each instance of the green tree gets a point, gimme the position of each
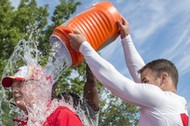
(115, 112)
(13, 25)
(8, 33)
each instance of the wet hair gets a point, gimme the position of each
(68, 95)
(162, 65)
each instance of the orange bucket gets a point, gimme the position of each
(97, 23)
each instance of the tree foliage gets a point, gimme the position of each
(13, 25)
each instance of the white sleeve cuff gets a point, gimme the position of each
(127, 39)
(85, 43)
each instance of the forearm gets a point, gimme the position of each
(133, 59)
(91, 96)
(105, 72)
(91, 91)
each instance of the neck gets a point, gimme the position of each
(174, 91)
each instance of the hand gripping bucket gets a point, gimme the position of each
(97, 23)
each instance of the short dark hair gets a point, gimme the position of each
(163, 65)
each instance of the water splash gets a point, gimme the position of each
(26, 53)
(59, 57)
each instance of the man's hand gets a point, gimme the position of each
(124, 28)
(76, 39)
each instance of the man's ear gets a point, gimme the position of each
(164, 78)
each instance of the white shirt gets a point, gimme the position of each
(158, 108)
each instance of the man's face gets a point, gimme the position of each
(148, 76)
(16, 88)
(22, 93)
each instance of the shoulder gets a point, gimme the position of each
(63, 115)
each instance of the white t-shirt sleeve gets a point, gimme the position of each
(132, 58)
(126, 89)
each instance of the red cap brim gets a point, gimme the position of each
(8, 81)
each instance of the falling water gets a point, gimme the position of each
(59, 58)
(26, 53)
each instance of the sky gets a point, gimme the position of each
(159, 29)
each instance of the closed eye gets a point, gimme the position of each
(144, 80)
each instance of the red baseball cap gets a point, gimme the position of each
(23, 73)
